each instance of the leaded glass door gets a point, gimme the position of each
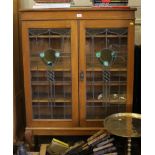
(50, 73)
(105, 57)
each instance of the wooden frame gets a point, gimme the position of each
(27, 81)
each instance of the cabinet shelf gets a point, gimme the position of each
(45, 83)
(100, 83)
(57, 100)
(55, 68)
(107, 36)
(68, 83)
(89, 69)
(37, 64)
(49, 36)
(107, 101)
(67, 36)
(99, 69)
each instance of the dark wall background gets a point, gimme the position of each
(137, 81)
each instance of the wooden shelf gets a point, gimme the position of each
(107, 101)
(49, 36)
(64, 130)
(37, 64)
(107, 36)
(67, 36)
(68, 83)
(99, 68)
(45, 83)
(100, 83)
(89, 69)
(55, 68)
(66, 68)
(57, 100)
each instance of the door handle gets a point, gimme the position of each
(81, 75)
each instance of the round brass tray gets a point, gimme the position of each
(124, 124)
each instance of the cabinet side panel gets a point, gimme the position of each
(26, 66)
(131, 30)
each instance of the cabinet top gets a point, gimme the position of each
(77, 13)
(81, 9)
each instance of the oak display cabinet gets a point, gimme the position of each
(90, 78)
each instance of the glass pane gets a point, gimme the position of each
(51, 111)
(50, 60)
(106, 67)
(101, 110)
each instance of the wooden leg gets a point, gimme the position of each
(29, 138)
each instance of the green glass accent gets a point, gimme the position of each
(106, 63)
(57, 54)
(42, 55)
(106, 57)
(98, 54)
(49, 63)
(113, 54)
(48, 57)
